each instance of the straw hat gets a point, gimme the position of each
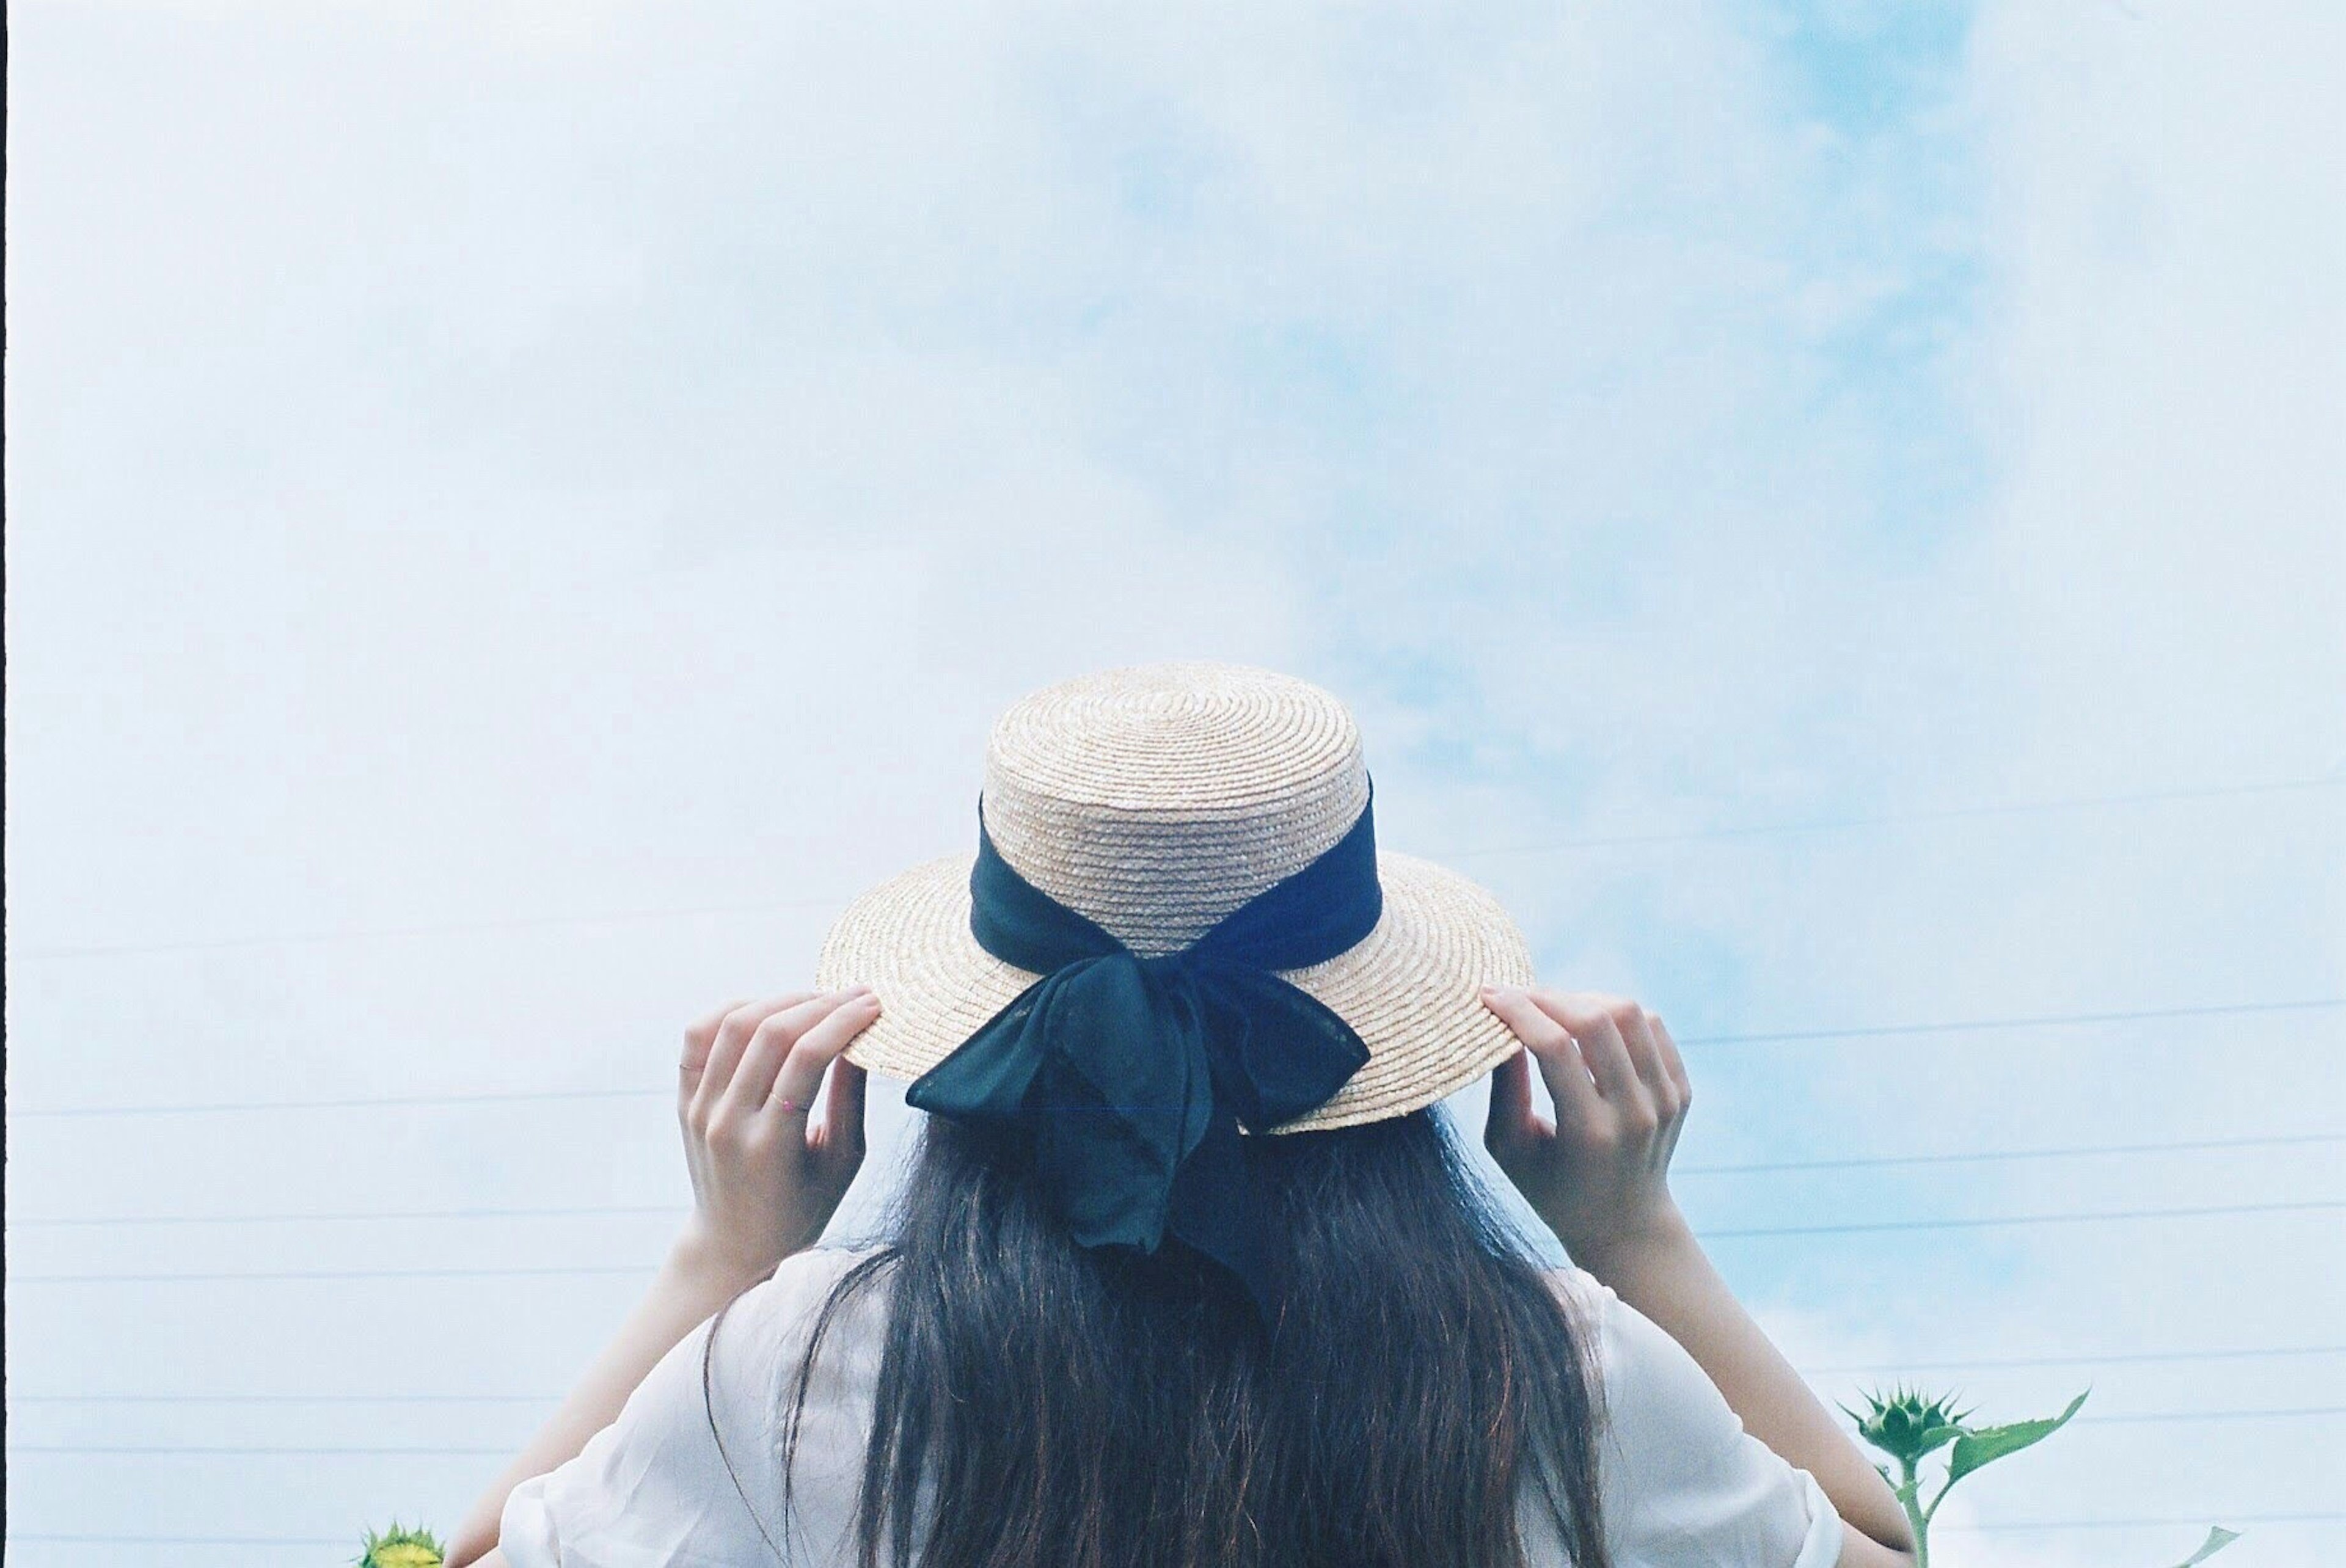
(1156, 800)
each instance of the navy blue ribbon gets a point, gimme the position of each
(1134, 1075)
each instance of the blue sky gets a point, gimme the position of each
(519, 511)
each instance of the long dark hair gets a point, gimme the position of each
(1041, 1403)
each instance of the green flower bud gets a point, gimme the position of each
(398, 1548)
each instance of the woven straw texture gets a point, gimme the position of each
(1155, 801)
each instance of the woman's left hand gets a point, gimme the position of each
(765, 1181)
(766, 1177)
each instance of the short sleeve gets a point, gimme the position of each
(653, 1490)
(1683, 1484)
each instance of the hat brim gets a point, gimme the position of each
(1410, 988)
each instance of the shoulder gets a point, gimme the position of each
(690, 1471)
(790, 1298)
(1680, 1474)
(1661, 1408)
(758, 1343)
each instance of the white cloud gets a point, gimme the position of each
(464, 473)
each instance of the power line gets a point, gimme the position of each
(623, 1210)
(403, 1398)
(564, 1271)
(348, 1102)
(2122, 1418)
(205, 1450)
(2227, 1520)
(2119, 1358)
(2297, 1412)
(430, 1448)
(349, 1216)
(2036, 1020)
(483, 1097)
(395, 1450)
(508, 1096)
(2072, 1151)
(1982, 1221)
(435, 928)
(410, 1398)
(1699, 835)
(1896, 818)
(50, 1538)
(1968, 1222)
(54, 1538)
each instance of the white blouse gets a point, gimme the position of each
(1683, 1484)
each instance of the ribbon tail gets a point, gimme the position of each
(1134, 1096)
(1216, 1209)
(1105, 1069)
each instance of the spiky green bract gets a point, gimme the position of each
(1905, 1424)
(401, 1548)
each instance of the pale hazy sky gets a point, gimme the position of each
(519, 510)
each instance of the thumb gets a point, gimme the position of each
(842, 1112)
(1512, 1119)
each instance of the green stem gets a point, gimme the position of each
(1909, 1498)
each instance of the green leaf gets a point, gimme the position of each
(2218, 1539)
(1936, 1439)
(1985, 1445)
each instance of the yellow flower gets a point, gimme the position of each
(397, 1548)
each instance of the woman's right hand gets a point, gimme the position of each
(766, 1175)
(1599, 1175)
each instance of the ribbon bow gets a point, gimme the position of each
(1133, 1074)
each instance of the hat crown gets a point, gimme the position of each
(1155, 799)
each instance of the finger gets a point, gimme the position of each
(1584, 1015)
(733, 1036)
(842, 1112)
(1673, 1064)
(1560, 1061)
(1510, 1119)
(699, 1036)
(770, 1047)
(1637, 1027)
(816, 1049)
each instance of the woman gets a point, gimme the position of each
(1187, 1271)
